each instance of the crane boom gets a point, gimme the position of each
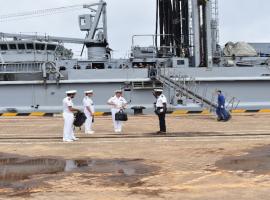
(45, 38)
(39, 13)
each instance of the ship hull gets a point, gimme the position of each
(243, 92)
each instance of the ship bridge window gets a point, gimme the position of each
(98, 66)
(40, 46)
(21, 46)
(180, 62)
(30, 46)
(51, 47)
(12, 46)
(4, 47)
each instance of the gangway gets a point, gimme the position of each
(189, 87)
(184, 89)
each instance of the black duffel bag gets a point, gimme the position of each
(79, 120)
(121, 116)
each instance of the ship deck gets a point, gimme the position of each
(199, 159)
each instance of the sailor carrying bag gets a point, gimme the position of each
(121, 116)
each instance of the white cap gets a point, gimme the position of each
(88, 92)
(158, 90)
(71, 92)
(118, 91)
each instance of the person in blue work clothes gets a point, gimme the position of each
(221, 111)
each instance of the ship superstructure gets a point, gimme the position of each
(185, 59)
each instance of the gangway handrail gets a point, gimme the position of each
(185, 90)
(199, 97)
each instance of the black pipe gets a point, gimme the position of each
(161, 21)
(172, 17)
(185, 31)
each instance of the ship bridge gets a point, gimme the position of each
(26, 51)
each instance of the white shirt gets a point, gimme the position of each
(160, 101)
(67, 102)
(88, 102)
(119, 102)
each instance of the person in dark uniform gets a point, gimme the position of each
(161, 109)
(222, 114)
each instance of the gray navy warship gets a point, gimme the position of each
(185, 59)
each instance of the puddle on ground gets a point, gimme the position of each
(23, 174)
(256, 160)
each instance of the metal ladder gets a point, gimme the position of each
(190, 91)
(189, 87)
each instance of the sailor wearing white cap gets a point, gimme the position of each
(117, 103)
(89, 111)
(68, 135)
(161, 109)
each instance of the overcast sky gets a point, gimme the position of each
(240, 20)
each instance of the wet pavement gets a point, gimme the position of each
(199, 159)
(18, 172)
(256, 160)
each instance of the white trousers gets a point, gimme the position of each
(68, 126)
(88, 123)
(117, 124)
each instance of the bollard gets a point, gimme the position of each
(138, 110)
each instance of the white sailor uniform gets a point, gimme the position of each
(160, 101)
(68, 134)
(161, 112)
(88, 102)
(119, 103)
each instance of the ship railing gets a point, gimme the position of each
(185, 87)
(192, 89)
(157, 49)
(24, 67)
(232, 103)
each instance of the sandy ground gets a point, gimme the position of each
(199, 159)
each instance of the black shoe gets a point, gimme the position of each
(228, 119)
(161, 133)
(220, 119)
